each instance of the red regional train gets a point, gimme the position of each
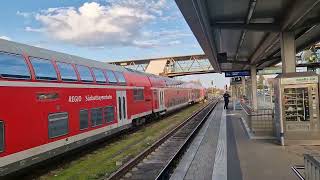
(53, 102)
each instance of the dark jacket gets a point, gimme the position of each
(226, 97)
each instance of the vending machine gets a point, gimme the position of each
(297, 108)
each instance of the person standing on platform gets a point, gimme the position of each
(226, 97)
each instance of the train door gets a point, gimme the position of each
(155, 97)
(122, 108)
(161, 99)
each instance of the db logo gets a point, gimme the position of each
(73, 99)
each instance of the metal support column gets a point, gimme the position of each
(288, 52)
(253, 69)
(243, 86)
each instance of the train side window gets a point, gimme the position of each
(1, 136)
(84, 119)
(44, 69)
(85, 74)
(13, 66)
(58, 124)
(120, 77)
(100, 78)
(138, 94)
(111, 77)
(96, 117)
(67, 72)
(108, 114)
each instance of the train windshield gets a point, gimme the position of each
(67, 72)
(100, 78)
(111, 77)
(43, 69)
(85, 74)
(13, 66)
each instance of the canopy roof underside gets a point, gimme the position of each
(248, 31)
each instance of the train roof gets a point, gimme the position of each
(18, 48)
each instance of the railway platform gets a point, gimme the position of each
(223, 150)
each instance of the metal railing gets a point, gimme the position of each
(296, 171)
(260, 122)
(311, 168)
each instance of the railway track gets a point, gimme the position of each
(48, 166)
(157, 161)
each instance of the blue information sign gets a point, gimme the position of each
(236, 73)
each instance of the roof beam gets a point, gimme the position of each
(299, 10)
(263, 46)
(268, 60)
(265, 27)
(195, 13)
(309, 23)
(236, 62)
(251, 9)
(310, 38)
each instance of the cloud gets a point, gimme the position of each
(30, 29)
(24, 14)
(117, 23)
(147, 43)
(174, 42)
(5, 38)
(162, 38)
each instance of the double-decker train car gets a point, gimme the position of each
(53, 102)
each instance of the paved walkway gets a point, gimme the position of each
(198, 160)
(222, 150)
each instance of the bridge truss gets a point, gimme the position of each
(171, 66)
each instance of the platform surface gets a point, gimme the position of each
(222, 150)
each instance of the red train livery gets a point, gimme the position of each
(53, 102)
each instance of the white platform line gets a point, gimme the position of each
(220, 163)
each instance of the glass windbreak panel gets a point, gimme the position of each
(111, 77)
(120, 77)
(100, 78)
(85, 74)
(96, 117)
(296, 104)
(43, 69)
(67, 72)
(1, 136)
(58, 124)
(13, 66)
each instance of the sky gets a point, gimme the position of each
(103, 30)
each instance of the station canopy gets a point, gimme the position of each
(237, 33)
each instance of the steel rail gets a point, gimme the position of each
(164, 174)
(132, 163)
